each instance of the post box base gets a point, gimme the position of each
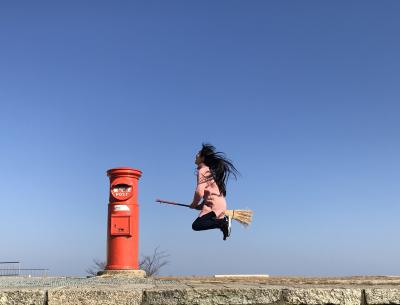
(126, 273)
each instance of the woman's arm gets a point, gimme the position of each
(202, 179)
(200, 206)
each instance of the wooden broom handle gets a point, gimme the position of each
(173, 203)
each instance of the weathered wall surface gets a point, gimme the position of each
(201, 291)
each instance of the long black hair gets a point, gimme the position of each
(221, 167)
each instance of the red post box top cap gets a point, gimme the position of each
(124, 171)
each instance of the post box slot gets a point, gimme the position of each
(120, 225)
(121, 191)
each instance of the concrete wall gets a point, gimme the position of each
(205, 293)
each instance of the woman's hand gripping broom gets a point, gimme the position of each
(244, 217)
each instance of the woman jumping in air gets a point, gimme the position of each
(213, 171)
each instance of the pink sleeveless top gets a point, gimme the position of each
(209, 191)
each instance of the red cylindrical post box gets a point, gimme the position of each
(123, 219)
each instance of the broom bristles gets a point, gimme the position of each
(244, 217)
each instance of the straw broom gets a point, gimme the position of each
(244, 217)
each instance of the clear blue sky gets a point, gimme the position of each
(303, 96)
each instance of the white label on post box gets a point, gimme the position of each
(121, 207)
